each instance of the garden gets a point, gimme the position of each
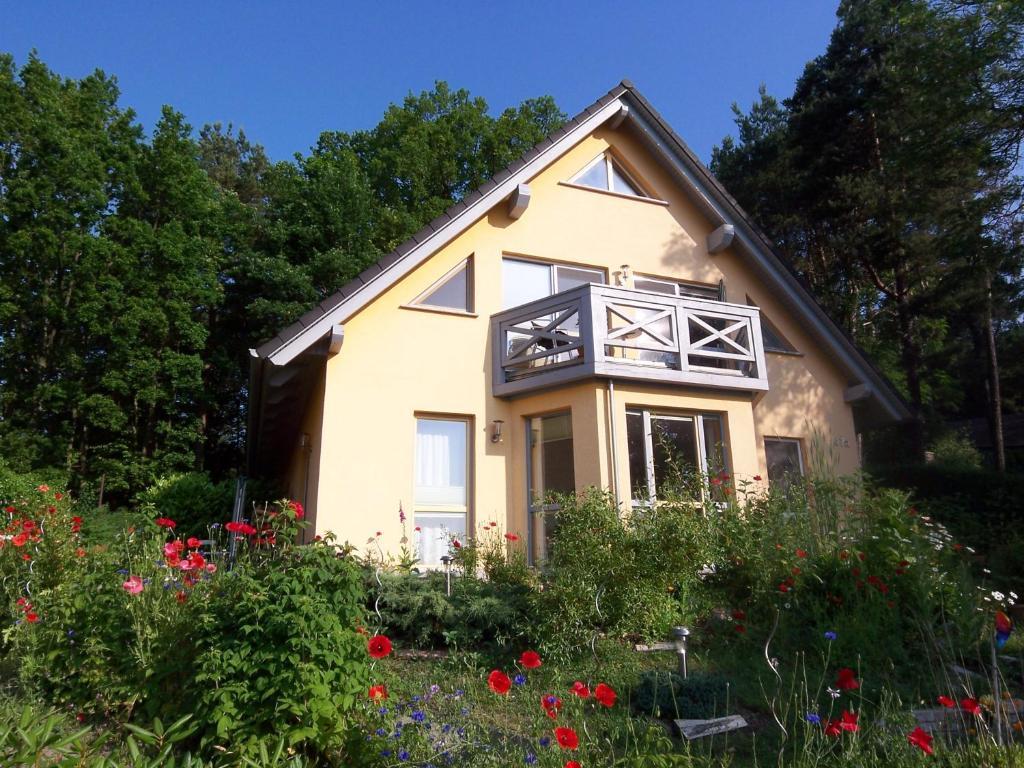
(842, 623)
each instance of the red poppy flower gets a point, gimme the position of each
(832, 728)
(796, 571)
(848, 722)
(19, 540)
(31, 617)
(581, 690)
(297, 509)
(740, 629)
(58, 495)
(971, 706)
(377, 693)
(947, 702)
(172, 548)
(456, 543)
(417, 528)
(378, 646)
(843, 554)
(739, 615)
(783, 587)
(243, 528)
(530, 659)
(572, 764)
(499, 682)
(801, 553)
(921, 739)
(181, 596)
(511, 537)
(79, 552)
(567, 738)
(862, 556)
(846, 680)
(166, 522)
(757, 478)
(551, 704)
(605, 695)
(194, 543)
(43, 488)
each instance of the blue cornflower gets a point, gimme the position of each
(813, 718)
(382, 711)
(122, 570)
(419, 716)
(415, 698)
(446, 727)
(403, 755)
(830, 635)
(519, 679)
(459, 693)
(464, 711)
(545, 741)
(71, 633)
(385, 753)
(435, 689)
(530, 758)
(381, 732)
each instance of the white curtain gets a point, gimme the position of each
(441, 462)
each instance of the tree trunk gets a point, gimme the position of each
(995, 406)
(910, 359)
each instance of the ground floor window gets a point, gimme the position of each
(551, 471)
(672, 453)
(785, 460)
(441, 494)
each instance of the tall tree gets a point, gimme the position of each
(892, 163)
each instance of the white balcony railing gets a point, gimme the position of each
(601, 330)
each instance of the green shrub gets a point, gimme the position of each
(668, 694)
(956, 450)
(278, 653)
(195, 502)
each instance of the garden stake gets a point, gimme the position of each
(996, 701)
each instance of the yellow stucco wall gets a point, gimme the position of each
(398, 362)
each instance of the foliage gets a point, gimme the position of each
(890, 180)
(156, 624)
(136, 273)
(278, 653)
(668, 694)
(955, 449)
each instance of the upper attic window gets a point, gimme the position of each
(453, 292)
(606, 173)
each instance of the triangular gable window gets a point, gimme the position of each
(606, 173)
(772, 337)
(454, 291)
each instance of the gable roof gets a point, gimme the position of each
(631, 110)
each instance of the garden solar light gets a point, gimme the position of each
(681, 634)
(447, 561)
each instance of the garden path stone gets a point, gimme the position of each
(696, 729)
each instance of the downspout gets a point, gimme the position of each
(614, 440)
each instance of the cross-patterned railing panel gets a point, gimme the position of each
(600, 330)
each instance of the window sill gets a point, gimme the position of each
(610, 193)
(438, 310)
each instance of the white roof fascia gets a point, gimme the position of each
(440, 238)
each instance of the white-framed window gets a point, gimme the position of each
(785, 460)
(524, 281)
(604, 172)
(441, 484)
(550, 469)
(676, 288)
(671, 453)
(453, 292)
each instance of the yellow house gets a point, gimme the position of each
(597, 311)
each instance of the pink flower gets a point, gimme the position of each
(133, 585)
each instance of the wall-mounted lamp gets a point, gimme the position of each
(497, 427)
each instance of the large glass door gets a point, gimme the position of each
(551, 470)
(671, 454)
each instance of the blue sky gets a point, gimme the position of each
(287, 71)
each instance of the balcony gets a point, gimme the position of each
(621, 333)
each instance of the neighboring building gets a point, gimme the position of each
(597, 306)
